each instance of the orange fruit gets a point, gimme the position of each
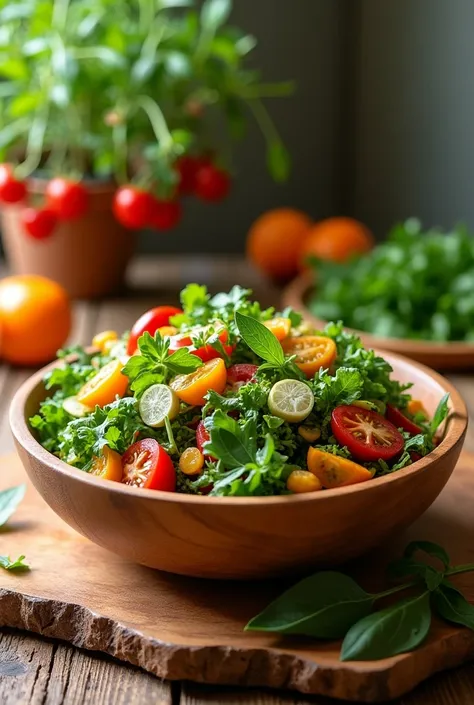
(336, 239)
(274, 241)
(35, 319)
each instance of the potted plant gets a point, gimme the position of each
(110, 112)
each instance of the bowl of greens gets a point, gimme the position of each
(412, 294)
(225, 440)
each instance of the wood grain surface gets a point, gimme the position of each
(39, 671)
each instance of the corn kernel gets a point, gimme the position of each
(102, 340)
(167, 330)
(302, 481)
(309, 433)
(191, 461)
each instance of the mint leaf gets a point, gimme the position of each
(259, 339)
(7, 563)
(182, 362)
(440, 414)
(9, 501)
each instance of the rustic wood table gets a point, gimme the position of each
(37, 671)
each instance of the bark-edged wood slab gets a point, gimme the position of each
(188, 629)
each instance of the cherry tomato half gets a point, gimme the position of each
(105, 386)
(187, 168)
(241, 373)
(211, 184)
(39, 223)
(146, 464)
(165, 214)
(68, 199)
(399, 420)
(133, 207)
(312, 352)
(108, 465)
(367, 435)
(11, 190)
(150, 321)
(192, 388)
(205, 352)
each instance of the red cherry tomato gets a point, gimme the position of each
(241, 373)
(165, 214)
(146, 464)
(415, 456)
(11, 190)
(399, 420)
(212, 184)
(367, 435)
(187, 167)
(68, 199)
(133, 207)
(202, 436)
(39, 223)
(204, 352)
(150, 321)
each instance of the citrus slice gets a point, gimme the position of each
(157, 403)
(76, 408)
(291, 400)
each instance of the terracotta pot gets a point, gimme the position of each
(88, 256)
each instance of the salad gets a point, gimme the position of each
(416, 285)
(222, 397)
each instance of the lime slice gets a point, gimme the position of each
(76, 408)
(158, 402)
(291, 400)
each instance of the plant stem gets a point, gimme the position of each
(392, 591)
(119, 136)
(34, 147)
(172, 447)
(457, 570)
(157, 120)
(264, 121)
(59, 19)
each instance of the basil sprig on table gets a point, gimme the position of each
(9, 501)
(331, 605)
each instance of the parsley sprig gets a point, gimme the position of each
(155, 365)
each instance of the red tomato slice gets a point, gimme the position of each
(205, 352)
(401, 421)
(146, 464)
(150, 321)
(241, 373)
(367, 435)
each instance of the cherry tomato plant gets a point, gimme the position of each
(128, 91)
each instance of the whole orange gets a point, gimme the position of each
(275, 239)
(336, 239)
(35, 319)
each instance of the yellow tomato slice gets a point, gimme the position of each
(104, 386)
(415, 406)
(279, 326)
(103, 340)
(312, 352)
(108, 466)
(192, 388)
(334, 471)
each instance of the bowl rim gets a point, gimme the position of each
(456, 427)
(300, 287)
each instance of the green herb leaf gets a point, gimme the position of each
(9, 501)
(406, 567)
(230, 442)
(440, 414)
(394, 630)
(183, 362)
(214, 13)
(7, 563)
(324, 606)
(278, 161)
(451, 605)
(259, 339)
(432, 549)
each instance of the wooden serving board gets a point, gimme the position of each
(188, 629)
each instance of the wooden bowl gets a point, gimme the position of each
(243, 538)
(440, 356)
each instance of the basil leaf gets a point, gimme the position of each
(182, 362)
(432, 549)
(440, 414)
(451, 605)
(9, 501)
(259, 339)
(404, 567)
(7, 563)
(391, 631)
(324, 606)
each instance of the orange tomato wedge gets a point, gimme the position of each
(415, 406)
(312, 352)
(334, 471)
(192, 388)
(102, 389)
(279, 326)
(108, 466)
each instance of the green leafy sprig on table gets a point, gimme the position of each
(155, 365)
(9, 501)
(417, 284)
(331, 605)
